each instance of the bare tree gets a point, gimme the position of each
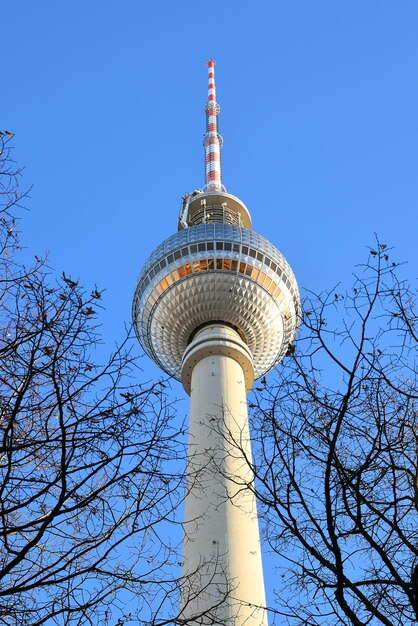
(336, 442)
(88, 456)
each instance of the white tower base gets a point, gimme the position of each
(223, 577)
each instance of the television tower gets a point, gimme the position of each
(216, 306)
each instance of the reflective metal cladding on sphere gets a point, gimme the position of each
(216, 272)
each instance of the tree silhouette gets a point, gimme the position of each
(336, 443)
(88, 456)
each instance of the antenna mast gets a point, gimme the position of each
(212, 141)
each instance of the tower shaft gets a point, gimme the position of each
(222, 569)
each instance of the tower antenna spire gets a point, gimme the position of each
(213, 140)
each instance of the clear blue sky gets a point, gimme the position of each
(319, 114)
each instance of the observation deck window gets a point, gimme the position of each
(272, 287)
(249, 261)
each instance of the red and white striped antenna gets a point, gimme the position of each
(213, 140)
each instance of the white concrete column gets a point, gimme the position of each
(223, 577)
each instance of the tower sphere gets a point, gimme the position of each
(216, 272)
